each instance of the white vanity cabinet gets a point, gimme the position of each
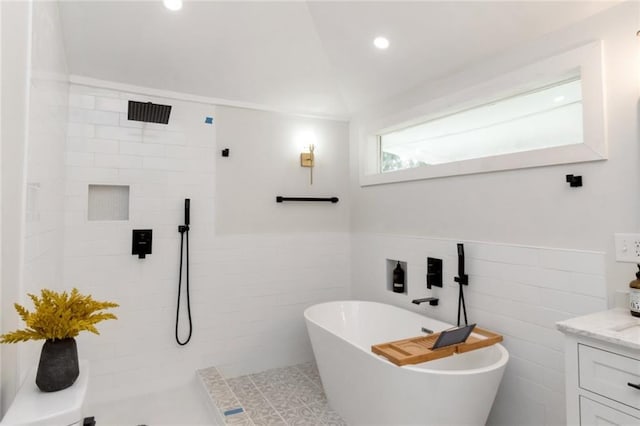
(602, 361)
(594, 413)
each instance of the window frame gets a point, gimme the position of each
(584, 62)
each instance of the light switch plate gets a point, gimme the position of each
(627, 247)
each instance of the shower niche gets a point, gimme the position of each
(108, 202)
(396, 276)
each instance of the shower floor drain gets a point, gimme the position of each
(282, 396)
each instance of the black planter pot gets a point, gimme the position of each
(58, 368)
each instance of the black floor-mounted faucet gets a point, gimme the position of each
(433, 301)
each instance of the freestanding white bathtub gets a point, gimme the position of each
(366, 389)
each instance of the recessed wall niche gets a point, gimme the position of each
(391, 265)
(108, 202)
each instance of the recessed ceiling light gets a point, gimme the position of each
(172, 4)
(381, 42)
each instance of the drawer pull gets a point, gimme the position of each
(634, 385)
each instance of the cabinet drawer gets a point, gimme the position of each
(609, 375)
(594, 413)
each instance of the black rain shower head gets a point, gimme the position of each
(149, 112)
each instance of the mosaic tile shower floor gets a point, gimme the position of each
(290, 396)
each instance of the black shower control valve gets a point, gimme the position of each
(225, 152)
(141, 242)
(574, 181)
(434, 272)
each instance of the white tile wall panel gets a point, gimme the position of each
(161, 136)
(81, 130)
(80, 159)
(73, 217)
(104, 146)
(173, 151)
(125, 122)
(91, 174)
(110, 104)
(78, 143)
(77, 100)
(156, 163)
(575, 304)
(77, 115)
(504, 254)
(587, 284)
(145, 149)
(118, 161)
(103, 117)
(90, 116)
(574, 261)
(118, 133)
(76, 89)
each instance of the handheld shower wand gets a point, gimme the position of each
(461, 279)
(187, 208)
(184, 235)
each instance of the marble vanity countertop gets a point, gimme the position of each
(613, 326)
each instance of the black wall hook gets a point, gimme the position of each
(574, 181)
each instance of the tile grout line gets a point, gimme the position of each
(239, 404)
(230, 391)
(267, 399)
(310, 380)
(298, 383)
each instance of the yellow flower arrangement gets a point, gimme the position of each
(59, 316)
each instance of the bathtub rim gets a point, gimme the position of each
(419, 368)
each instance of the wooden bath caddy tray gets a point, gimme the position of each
(420, 349)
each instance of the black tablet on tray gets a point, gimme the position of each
(453, 336)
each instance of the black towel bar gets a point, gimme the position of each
(280, 199)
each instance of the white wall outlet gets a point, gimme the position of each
(627, 247)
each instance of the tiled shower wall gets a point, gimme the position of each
(44, 192)
(520, 292)
(248, 292)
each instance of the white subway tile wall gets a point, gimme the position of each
(248, 292)
(47, 121)
(517, 291)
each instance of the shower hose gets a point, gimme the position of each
(184, 235)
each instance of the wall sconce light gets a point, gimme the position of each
(307, 160)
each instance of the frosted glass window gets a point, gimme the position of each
(108, 202)
(550, 116)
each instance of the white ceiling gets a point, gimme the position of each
(306, 57)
